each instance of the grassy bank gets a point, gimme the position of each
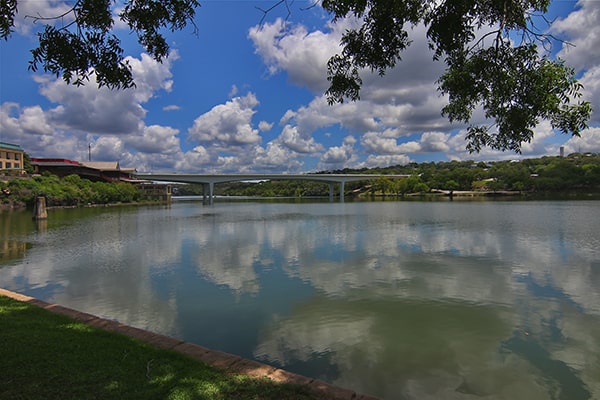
(48, 356)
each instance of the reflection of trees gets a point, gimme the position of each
(97, 265)
(11, 250)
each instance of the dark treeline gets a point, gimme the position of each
(574, 173)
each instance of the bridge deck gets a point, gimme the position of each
(208, 180)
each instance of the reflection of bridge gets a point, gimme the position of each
(208, 180)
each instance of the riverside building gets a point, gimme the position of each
(11, 158)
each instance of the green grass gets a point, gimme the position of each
(49, 356)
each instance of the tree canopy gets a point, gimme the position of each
(491, 49)
(496, 58)
(84, 44)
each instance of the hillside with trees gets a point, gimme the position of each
(577, 173)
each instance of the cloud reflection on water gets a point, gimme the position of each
(411, 300)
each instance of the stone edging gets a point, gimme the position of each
(218, 359)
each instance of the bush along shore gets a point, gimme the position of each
(70, 191)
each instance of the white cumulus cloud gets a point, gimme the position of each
(228, 124)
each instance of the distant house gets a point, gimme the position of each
(11, 158)
(95, 171)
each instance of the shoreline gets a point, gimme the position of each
(218, 359)
(4, 206)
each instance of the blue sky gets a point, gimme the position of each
(241, 97)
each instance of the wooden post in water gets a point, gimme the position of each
(39, 208)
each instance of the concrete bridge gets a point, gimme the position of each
(208, 180)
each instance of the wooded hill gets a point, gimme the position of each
(575, 173)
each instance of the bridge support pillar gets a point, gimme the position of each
(39, 208)
(331, 191)
(208, 187)
(342, 184)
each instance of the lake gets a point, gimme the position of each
(397, 299)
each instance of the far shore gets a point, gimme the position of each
(431, 194)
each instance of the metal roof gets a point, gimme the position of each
(10, 146)
(102, 165)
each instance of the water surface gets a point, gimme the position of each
(403, 300)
